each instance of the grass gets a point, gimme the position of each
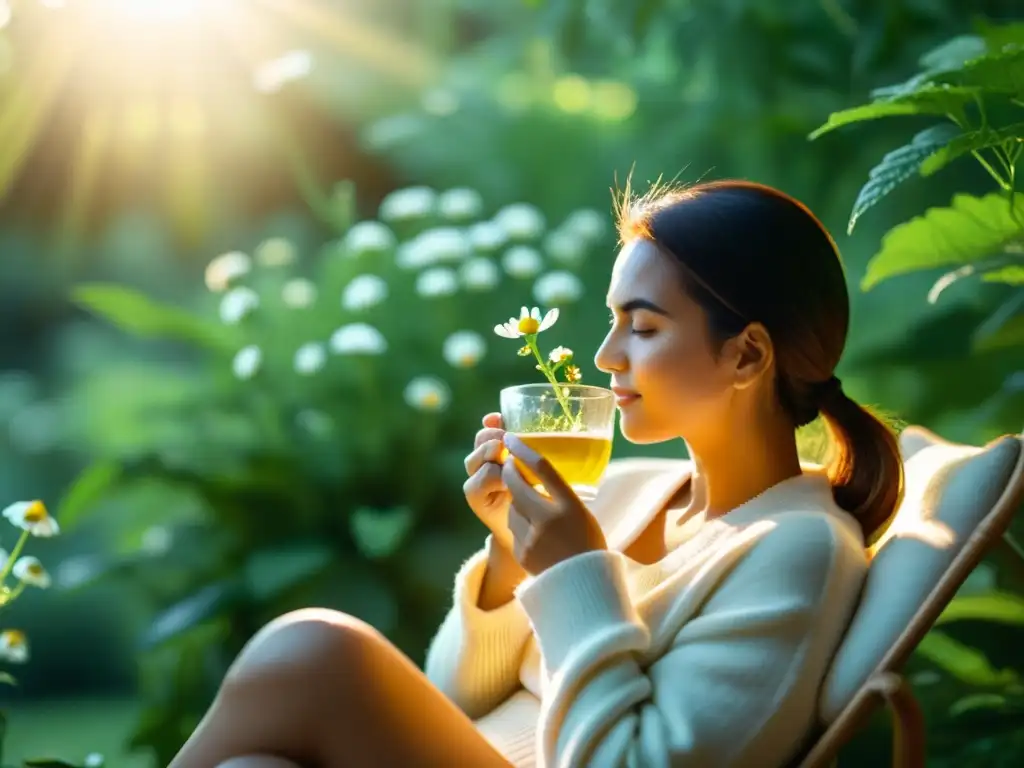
(70, 730)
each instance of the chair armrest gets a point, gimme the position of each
(882, 688)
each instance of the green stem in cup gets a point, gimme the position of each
(531, 342)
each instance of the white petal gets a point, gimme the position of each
(549, 320)
(523, 314)
(505, 332)
(535, 314)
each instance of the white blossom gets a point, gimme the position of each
(409, 203)
(565, 247)
(521, 221)
(310, 358)
(464, 349)
(358, 339)
(94, 760)
(560, 355)
(29, 570)
(32, 516)
(363, 292)
(479, 274)
(437, 281)
(299, 293)
(460, 204)
(156, 540)
(528, 323)
(276, 252)
(237, 304)
(587, 224)
(441, 244)
(368, 237)
(247, 362)
(222, 271)
(522, 261)
(556, 288)
(427, 393)
(13, 646)
(486, 236)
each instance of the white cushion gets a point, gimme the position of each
(949, 490)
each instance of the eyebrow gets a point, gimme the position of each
(635, 304)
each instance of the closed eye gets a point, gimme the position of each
(642, 331)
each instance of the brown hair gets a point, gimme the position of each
(750, 253)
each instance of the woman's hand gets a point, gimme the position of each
(485, 489)
(546, 529)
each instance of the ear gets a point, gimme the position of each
(752, 355)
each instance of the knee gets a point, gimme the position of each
(306, 649)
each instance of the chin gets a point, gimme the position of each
(641, 431)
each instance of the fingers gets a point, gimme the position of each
(487, 434)
(493, 421)
(488, 451)
(553, 482)
(485, 481)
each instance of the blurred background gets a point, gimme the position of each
(251, 253)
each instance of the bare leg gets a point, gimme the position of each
(323, 690)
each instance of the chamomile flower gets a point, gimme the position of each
(558, 287)
(358, 339)
(237, 304)
(309, 358)
(276, 252)
(529, 323)
(437, 281)
(479, 274)
(486, 236)
(521, 221)
(298, 293)
(460, 204)
(32, 516)
(408, 203)
(427, 393)
(29, 570)
(364, 292)
(522, 261)
(13, 646)
(464, 349)
(560, 355)
(368, 237)
(226, 269)
(247, 362)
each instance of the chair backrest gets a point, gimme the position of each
(958, 500)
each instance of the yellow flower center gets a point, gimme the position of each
(528, 326)
(35, 513)
(35, 569)
(431, 400)
(14, 638)
(467, 360)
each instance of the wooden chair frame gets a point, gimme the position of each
(886, 686)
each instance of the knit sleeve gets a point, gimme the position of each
(475, 656)
(735, 684)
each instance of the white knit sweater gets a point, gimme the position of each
(713, 656)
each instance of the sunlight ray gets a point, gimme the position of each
(92, 142)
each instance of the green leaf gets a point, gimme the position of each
(953, 53)
(380, 532)
(963, 662)
(91, 485)
(928, 100)
(977, 701)
(972, 141)
(136, 313)
(270, 572)
(1001, 72)
(967, 231)
(1011, 275)
(1009, 334)
(7, 679)
(1001, 607)
(899, 165)
(208, 603)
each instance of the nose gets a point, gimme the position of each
(609, 357)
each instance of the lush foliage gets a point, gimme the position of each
(313, 453)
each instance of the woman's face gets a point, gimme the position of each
(668, 381)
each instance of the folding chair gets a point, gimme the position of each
(958, 504)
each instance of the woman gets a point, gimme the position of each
(689, 615)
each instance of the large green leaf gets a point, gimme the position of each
(967, 231)
(379, 533)
(1001, 607)
(91, 485)
(1011, 275)
(963, 662)
(208, 603)
(972, 141)
(272, 571)
(899, 165)
(1009, 334)
(928, 100)
(1001, 72)
(136, 313)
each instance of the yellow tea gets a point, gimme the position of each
(580, 458)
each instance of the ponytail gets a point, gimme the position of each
(865, 466)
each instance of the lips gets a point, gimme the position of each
(624, 396)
